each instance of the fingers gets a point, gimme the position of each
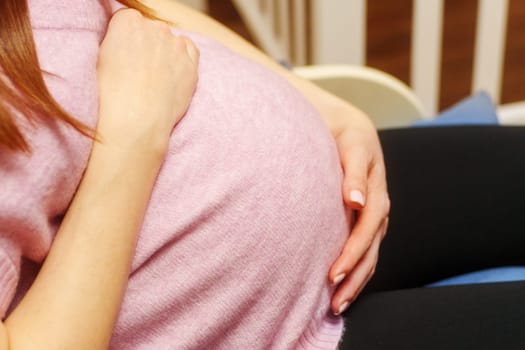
(126, 17)
(356, 264)
(126, 13)
(145, 70)
(365, 191)
(356, 164)
(369, 223)
(131, 16)
(192, 50)
(163, 28)
(354, 283)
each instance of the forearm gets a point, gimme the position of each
(184, 17)
(75, 299)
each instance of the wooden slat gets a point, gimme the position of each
(261, 25)
(459, 31)
(338, 34)
(299, 32)
(283, 9)
(512, 113)
(490, 47)
(426, 52)
(269, 14)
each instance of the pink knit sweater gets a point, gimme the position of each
(245, 219)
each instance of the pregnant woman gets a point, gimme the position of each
(244, 241)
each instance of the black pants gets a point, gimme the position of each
(458, 205)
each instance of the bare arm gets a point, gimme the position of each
(75, 300)
(76, 296)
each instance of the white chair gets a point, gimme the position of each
(387, 100)
(269, 20)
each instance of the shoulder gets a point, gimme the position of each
(69, 14)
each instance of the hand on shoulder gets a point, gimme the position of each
(147, 77)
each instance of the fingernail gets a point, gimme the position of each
(357, 197)
(338, 279)
(342, 308)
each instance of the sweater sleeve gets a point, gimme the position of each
(35, 192)
(9, 274)
(20, 224)
(36, 188)
(27, 210)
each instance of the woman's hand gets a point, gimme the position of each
(147, 77)
(365, 191)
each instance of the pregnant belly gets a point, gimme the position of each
(246, 216)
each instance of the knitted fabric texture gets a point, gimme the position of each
(245, 218)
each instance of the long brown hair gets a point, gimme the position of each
(22, 86)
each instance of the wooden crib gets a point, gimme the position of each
(321, 32)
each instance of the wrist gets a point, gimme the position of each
(123, 155)
(123, 127)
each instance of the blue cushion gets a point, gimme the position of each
(500, 274)
(475, 110)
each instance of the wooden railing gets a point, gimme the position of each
(334, 31)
